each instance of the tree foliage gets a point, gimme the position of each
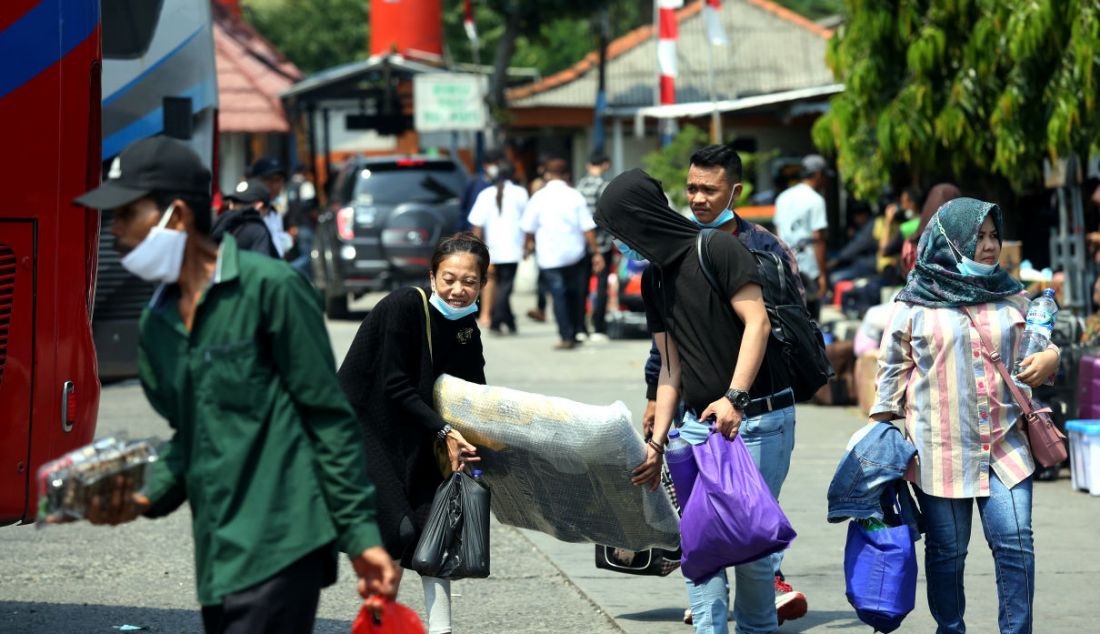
(314, 34)
(670, 165)
(962, 89)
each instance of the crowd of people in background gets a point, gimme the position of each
(354, 456)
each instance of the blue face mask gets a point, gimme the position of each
(722, 218)
(965, 265)
(627, 252)
(448, 311)
(970, 267)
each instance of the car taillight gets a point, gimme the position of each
(345, 223)
(410, 162)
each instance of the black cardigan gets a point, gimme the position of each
(388, 377)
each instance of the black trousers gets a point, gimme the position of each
(284, 604)
(505, 275)
(565, 288)
(584, 274)
(599, 307)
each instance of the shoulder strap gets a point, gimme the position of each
(994, 356)
(427, 321)
(702, 242)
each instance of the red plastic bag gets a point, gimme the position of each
(396, 619)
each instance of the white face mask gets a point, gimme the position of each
(159, 256)
(492, 171)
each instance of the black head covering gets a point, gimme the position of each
(634, 209)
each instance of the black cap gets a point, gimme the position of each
(266, 166)
(250, 191)
(597, 158)
(156, 163)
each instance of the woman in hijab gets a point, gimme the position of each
(402, 347)
(971, 446)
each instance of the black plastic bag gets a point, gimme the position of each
(455, 541)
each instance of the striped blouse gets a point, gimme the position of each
(958, 412)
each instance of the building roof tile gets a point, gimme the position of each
(771, 49)
(251, 74)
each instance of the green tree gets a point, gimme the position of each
(979, 91)
(557, 43)
(314, 34)
(670, 165)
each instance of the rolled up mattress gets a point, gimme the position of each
(560, 467)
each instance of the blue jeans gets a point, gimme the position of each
(770, 441)
(1006, 521)
(564, 284)
(304, 241)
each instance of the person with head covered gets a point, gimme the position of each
(714, 360)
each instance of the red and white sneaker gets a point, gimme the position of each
(789, 604)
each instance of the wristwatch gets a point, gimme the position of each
(444, 432)
(739, 398)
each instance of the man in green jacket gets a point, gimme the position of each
(235, 355)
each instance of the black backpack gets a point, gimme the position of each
(799, 338)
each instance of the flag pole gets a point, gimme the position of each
(715, 119)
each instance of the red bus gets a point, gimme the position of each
(50, 123)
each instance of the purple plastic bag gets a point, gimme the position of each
(731, 518)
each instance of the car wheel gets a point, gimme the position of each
(336, 307)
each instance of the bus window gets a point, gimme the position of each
(128, 27)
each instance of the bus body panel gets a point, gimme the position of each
(50, 121)
(165, 49)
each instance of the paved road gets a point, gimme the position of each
(86, 579)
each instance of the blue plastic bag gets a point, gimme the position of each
(880, 574)
(731, 518)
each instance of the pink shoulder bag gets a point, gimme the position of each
(1048, 445)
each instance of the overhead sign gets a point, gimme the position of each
(449, 101)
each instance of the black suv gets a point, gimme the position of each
(384, 219)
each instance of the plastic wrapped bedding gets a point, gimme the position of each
(560, 467)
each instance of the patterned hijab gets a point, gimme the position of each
(935, 280)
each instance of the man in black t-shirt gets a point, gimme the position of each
(714, 359)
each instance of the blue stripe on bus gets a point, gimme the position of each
(69, 22)
(137, 80)
(153, 122)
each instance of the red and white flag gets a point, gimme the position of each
(712, 16)
(667, 34)
(468, 23)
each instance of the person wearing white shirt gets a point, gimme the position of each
(495, 217)
(801, 222)
(559, 225)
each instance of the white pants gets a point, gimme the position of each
(437, 603)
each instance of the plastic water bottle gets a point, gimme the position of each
(681, 465)
(1040, 323)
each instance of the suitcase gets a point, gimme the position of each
(624, 324)
(1088, 387)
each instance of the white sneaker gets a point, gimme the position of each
(598, 336)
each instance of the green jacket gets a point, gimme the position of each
(266, 448)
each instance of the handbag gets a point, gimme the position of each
(455, 541)
(731, 518)
(880, 573)
(655, 562)
(1048, 445)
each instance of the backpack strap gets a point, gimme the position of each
(702, 251)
